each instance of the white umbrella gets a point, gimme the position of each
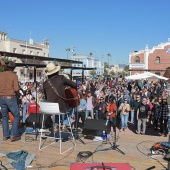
(145, 75)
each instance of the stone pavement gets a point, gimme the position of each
(136, 149)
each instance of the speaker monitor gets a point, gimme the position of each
(93, 127)
(37, 118)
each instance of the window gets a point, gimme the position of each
(44, 54)
(137, 59)
(22, 73)
(38, 53)
(31, 52)
(157, 59)
(23, 51)
(157, 73)
(14, 50)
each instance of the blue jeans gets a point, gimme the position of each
(169, 124)
(141, 121)
(96, 114)
(25, 111)
(132, 116)
(64, 117)
(124, 120)
(91, 112)
(9, 104)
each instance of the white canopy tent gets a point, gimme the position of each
(145, 75)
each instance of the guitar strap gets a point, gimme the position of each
(56, 92)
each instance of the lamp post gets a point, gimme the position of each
(73, 47)
(109, 56)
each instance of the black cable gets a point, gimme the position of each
(84, 155)
(30, 139)
(147, 155)
(2, 165)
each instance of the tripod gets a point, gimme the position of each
(113, 145)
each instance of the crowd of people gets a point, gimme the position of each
(139, 103)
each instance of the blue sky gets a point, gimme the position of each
(117, 27)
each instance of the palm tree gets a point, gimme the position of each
(68, 50)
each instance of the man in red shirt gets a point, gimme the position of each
(33, 107)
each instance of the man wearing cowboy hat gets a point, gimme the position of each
(9, 86)
(59, 82)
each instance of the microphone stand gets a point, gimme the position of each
(76, 136)
(113, 145)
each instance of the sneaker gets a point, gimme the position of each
(165, 135)
(121, 130)
(6, 138)
(137, 132)
(15, 138)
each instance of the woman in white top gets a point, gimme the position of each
(124, 108)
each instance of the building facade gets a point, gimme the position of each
(155, 60)
(88, 61)
(24, 47)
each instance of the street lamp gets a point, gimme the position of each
(109, 56)
(73, 47)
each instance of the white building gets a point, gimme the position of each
(24, 47)
(88, 61)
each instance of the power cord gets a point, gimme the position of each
(84, 155)
(148, 154)
(2, 166)
(30, 139)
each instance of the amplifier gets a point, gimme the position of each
(95, 127)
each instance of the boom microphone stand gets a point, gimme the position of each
(113, 145)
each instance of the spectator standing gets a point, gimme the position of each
(142, 116)
(163, 117)
(124, 114)
(90, 105)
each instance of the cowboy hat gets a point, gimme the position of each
(51, 69)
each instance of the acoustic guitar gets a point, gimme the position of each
(11, 117)
(72, 97)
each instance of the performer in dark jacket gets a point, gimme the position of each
(60, 82)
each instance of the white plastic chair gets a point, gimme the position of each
(53, 109)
